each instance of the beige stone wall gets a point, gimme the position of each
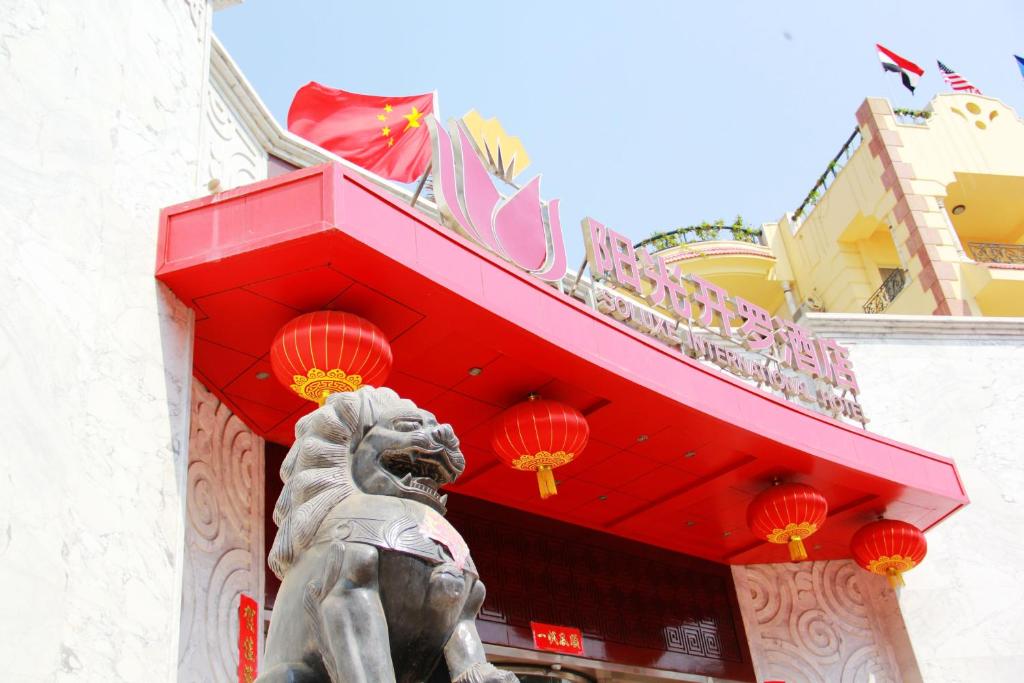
(823, 622)
(224, 544)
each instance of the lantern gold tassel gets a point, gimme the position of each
(546, 480)
(896, 579)
(797, 552)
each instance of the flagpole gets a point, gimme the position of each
(896, 64)
(436, 113)
(890, 87)
(579, 276)
(419, 187)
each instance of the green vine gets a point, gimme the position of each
(833, 169)
(705, 231)
(915, 113)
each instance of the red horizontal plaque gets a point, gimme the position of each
(564, 639)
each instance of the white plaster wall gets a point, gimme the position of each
(230, 155)
(100, 106)
(957, 388)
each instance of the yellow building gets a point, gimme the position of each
(920, 213)
(909, 251)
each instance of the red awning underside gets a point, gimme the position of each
(251, 259)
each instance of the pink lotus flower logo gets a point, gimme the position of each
(521, 229)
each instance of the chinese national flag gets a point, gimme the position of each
(385, 135)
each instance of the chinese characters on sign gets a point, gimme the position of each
(656, 298)
(564, 639)
(248, 613)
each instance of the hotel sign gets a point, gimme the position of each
(647, 293)
(700, 318)
(521, 229)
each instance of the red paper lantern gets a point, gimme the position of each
(538, 436)
(787, 513)
(889, 547)
(318, 354)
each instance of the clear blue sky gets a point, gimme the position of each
(645, 115)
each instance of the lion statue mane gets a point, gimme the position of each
(376, 586)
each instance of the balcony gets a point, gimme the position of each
(986, 210)
(895, 283)
(994, 252)
(913, 117)
(705, 232)
(996, 278)
(736, 257)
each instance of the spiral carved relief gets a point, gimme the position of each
(223, 537)
(232, 156)
(823, 622)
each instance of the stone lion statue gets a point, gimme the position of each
(376, 586)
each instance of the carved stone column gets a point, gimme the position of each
(224, 545)
(823, 622)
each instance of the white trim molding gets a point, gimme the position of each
(879, 326)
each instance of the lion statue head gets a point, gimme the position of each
(369, 442)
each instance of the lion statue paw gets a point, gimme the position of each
(485, 673)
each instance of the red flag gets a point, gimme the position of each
(385, 135)
(909, 72)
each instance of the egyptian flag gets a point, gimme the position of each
(909, 72)
(385, 135)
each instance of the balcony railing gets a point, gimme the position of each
(705, 232)
(918, 117)
(993, 252)
(885, 294)
(826, 178)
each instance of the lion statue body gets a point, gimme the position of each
(376, 586)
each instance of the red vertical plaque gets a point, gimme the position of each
(248, 613)
(564, 639)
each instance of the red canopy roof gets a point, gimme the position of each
(677, 450)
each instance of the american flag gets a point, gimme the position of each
(956, 81)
